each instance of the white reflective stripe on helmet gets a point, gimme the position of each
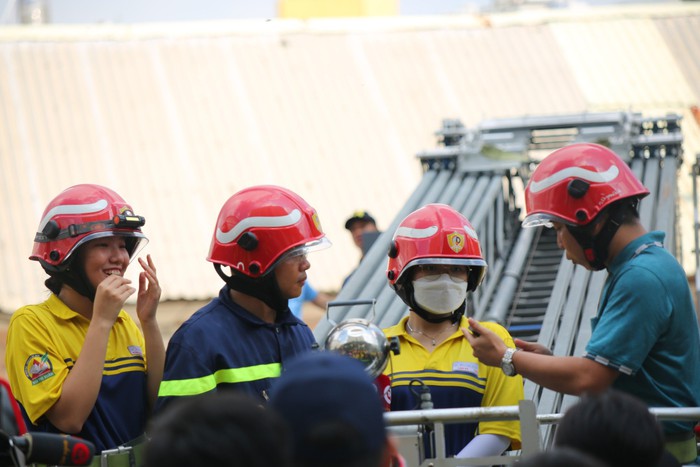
(575, 172)
(410, 232)
(97, 206)
(471, 232)
(251, 222)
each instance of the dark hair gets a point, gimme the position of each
(613, 426)
(626, 210)
(221, 428)
(561, 457)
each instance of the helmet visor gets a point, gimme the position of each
(302, 250)
(468, 262)
(135, 241)
(543, 219)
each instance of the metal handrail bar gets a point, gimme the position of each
(460, 415)
(690, 414)
(510, 412)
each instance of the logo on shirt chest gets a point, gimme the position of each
(38, 367)
(466, 367)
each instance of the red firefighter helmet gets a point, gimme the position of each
(435, 234)
(261, 226)
(79, 214)
(575, 183)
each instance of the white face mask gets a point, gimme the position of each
(439, 294)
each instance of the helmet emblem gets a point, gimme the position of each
(575, 172)
(317, 222)
(456, 241)
(410, 232)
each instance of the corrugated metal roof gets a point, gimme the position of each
(176, 118)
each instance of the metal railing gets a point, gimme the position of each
(407, 427)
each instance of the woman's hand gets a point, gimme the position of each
(149, 291)
(110, 296)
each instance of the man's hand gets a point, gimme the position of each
(488, 347)
(533, 347)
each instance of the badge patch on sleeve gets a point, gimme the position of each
(38, 367)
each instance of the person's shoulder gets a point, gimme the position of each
(649, 267)
(27, 311)
(395, 330)
(648, 251)
(41, 311)
(202, 320)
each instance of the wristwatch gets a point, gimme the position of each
(507, 362)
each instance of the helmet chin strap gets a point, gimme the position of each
(80, 283)
(264, 288)
(596, 247)
(75, 278)
(453, 317)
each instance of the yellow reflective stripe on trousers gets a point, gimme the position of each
(194, 386)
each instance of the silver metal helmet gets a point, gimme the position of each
(362, 340)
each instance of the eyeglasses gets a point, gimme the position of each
(295, 256)
(456, 271)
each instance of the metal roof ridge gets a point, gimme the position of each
(356, 25)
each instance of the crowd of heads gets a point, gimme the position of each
(323, 410)
(609, 429)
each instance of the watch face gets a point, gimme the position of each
(507, 363)
(508, 369)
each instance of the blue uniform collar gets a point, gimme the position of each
(286, 317)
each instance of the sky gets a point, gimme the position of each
(139, 11)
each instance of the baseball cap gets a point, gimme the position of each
(358, 216)
(323, 393)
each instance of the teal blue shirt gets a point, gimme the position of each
(647, 328)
